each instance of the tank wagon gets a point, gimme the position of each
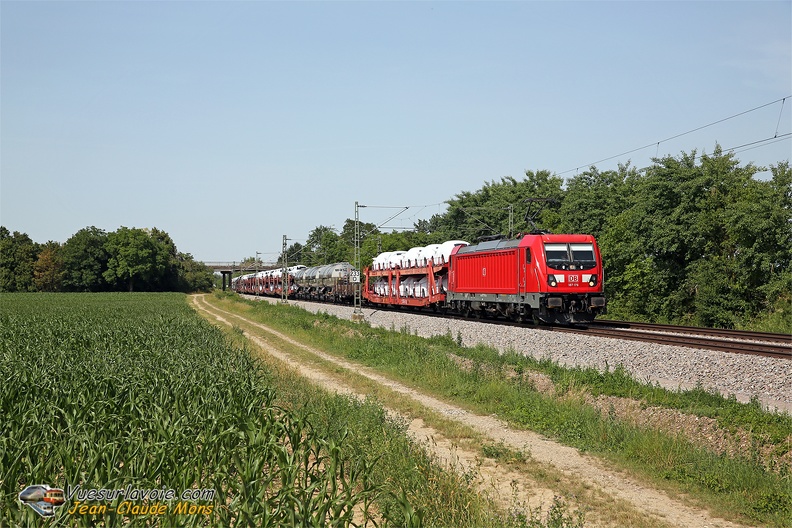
(556, 279)
(329, 283)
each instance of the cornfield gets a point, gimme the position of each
(108, 391)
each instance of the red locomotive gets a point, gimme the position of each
(550, 278)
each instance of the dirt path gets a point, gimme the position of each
(647, 506)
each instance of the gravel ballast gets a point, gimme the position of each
(672, 367)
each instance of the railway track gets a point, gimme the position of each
(777, 346)
(736, 341)
(767, 344)
(714, 332)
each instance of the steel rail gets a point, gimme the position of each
(702, 341)
(738, 342)
(715, 332)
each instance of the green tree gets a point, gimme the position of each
(169, 278)
(486, 212)
(323, 246)
(18, 254)
(765, 228)
(699, 239)
(347, 237)
(193, 276)
(85, 260)
(773, 232)
(592, 199)
(294, 253)
(136, 258)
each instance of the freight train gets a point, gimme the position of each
(556, 279)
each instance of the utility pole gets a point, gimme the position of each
(357, 313)
(285, 275)
(256, 279)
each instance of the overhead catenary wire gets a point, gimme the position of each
(740, 148)
(757, 144)
(403, 209)
(770, 141)
(398, 206)
(471, 216)
(657, 143)
(748, 146)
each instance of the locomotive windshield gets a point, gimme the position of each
(570, 256)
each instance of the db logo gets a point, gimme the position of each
(574, 278)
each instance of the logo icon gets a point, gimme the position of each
(42, 499)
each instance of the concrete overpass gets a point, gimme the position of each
(227, 269)
(237, 266)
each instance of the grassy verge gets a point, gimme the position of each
(738, 488)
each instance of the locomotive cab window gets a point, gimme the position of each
(557, 256)
(570, 256)
(583, 256)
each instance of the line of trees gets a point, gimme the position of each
(92, 260)
(693, 239)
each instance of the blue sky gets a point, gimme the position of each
(230, 124)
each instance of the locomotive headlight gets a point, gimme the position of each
(593, 281)
(551, 280)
